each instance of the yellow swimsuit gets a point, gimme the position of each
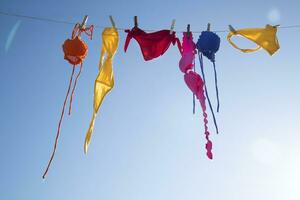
(263, 37)
(105, 79)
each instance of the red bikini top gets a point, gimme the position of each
(153, 44)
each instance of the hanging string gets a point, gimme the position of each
(216, 85)
(206, 93)
(73, 90)
(101, 26)
(193, 93)
(60, 120)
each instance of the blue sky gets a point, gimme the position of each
(146, 143)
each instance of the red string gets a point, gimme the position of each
(88, 31)
(60, 121)
(73, 90)
(77, 30)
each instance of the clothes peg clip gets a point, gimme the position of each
(84, 21)
(172, 26)
(208, 27)
(112, 21)
(231, 29)
(135, 21)
(188, 31)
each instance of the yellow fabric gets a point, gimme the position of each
(263, 37)
(105, 79)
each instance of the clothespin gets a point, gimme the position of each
(135, 21)
(208, 27)
(231, 29)
(188, 31)
(172, 26)
(112, 21)
(84, 21)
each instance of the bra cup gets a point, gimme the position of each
(110, 38)
(186, 62)
(188, 48)
(208, 44)
(188, 45)
(194, 82)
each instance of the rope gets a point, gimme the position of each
(101, 26)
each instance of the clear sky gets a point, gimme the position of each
(147, 144)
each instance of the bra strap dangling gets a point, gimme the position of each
(60, 121)
(193, 93)
(73, 90)
(216, 85)
(176, 40)
(206, 93)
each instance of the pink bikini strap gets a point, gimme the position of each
(176, 40)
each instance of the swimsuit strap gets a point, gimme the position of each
(75, 31)
(73, 90)
(216, 85)
(206, 93)
(230, 34)
(176, 40)
(128, 38)
(59, 124)
(194, 69)
(87, 30)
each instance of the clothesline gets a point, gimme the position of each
(100, 26)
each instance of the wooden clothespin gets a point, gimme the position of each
(135, 21)
(112, 21)
(231, 29)
(188, 30)
(208, 27)
(84, 21)
(172, 26)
